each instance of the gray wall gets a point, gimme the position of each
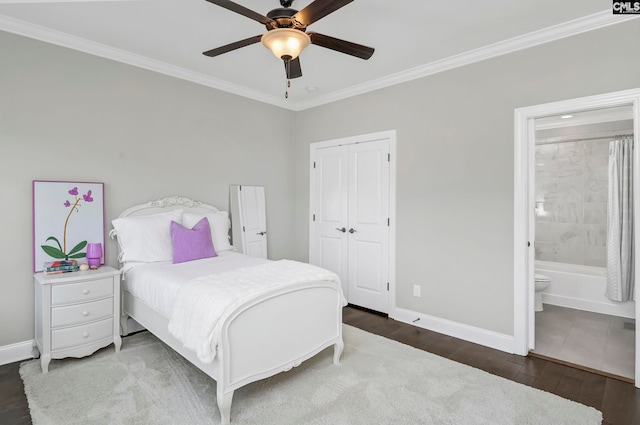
(455, 164)
(65, 115)
(69, 116)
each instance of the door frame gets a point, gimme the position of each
(371, 137)
(524, 220)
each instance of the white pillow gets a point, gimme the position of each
(146, 238)
(219, 223)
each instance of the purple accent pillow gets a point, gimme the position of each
(192, 244)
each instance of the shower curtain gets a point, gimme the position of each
(620, 247)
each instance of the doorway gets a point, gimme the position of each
(352, 215)
(574, 321)
(524, 204)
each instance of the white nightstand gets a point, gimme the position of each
(76, 313)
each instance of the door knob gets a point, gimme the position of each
(344, 229)
(261, 233)
(352, 230)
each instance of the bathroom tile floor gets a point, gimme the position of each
(597, 341)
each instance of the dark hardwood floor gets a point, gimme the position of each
(618, 401)
(13, 402)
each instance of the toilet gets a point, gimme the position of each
(542, 282)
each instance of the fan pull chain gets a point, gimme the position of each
(287, 67)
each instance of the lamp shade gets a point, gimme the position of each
(286, 42)
(94, 254)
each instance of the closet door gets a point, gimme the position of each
(351, 219)
(368, 229)
(331, 194)
(248, 214)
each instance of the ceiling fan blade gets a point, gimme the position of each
(235, 7)
(353, 49)
(318, 10)
(233, 46)
(293, 68)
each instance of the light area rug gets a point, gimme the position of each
(379, 381)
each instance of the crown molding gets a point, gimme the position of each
(535, 38)
(17, 26)
(55, 1)
(556, 32)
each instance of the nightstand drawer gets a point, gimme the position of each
(78, 335)
(81, 313)
(83, 291)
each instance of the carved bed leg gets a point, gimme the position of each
(337, 351)
(224, 404)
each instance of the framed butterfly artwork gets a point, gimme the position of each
(66, 217)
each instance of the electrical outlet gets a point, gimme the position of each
(416, 291)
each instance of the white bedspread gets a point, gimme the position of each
(158, 283)
(202, 303)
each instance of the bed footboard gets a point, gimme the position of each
(266, 335)
(276, 332)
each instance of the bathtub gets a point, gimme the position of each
(582, 288)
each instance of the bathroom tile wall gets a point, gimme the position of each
(571, 202)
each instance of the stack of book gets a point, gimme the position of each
(61, 266)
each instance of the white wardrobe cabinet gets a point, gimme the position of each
(248, 219)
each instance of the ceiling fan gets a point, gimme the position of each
(286, 34)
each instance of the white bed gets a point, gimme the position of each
(263, 335)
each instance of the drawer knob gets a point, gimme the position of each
(85, 313)
(86, 291)
(85, 334)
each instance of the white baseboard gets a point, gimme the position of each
(16, 352)
(480, 336)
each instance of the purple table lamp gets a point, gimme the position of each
(94, 254)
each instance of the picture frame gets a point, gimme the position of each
(67, 215)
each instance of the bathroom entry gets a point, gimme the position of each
(584, 313)
(525, 211)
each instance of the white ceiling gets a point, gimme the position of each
(596, 116)
(412, 38)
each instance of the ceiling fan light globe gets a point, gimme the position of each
(285, 42)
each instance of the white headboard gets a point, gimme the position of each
(167, 204)
(171, 203)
